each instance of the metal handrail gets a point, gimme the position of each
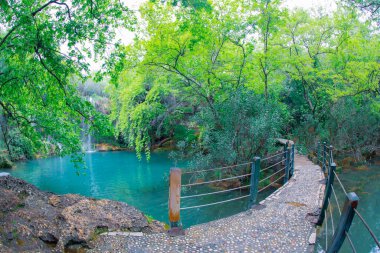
(368, 228)
(326, 229)
(275, 181)
(271, 166)
(336, 199)
(211, 193)
(350, 241)
(214, 181)
(332, 219)
(349, 207)
(340, 183)
(214, 203)
(176, 187)
(220, 168)
(262, 180)
(267, 158)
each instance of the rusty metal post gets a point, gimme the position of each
(174, 202)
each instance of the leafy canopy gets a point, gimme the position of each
(45, 46)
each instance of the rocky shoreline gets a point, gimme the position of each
(32, 220)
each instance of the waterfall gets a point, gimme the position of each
(87, 144)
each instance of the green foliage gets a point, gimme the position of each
(194, 4)
(224, 81)
(5, 162)
(355, 125)
(220, 79)
(44, 47)
(246, 126)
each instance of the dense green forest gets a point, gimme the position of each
(216, 81)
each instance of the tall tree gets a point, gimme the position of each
(43, 46)
(269, 21)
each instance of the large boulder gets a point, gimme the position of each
(35, 221)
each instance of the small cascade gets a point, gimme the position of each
(87, 145)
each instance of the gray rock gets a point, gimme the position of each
(32, 220)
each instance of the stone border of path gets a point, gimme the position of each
(281, 223)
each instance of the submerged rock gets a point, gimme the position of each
(35, 221)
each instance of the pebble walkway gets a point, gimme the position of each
(281, 223)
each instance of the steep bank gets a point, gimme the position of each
(35, 221)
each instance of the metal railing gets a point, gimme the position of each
(257, 176)
(340, 230)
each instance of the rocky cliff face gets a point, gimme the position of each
(35, 221)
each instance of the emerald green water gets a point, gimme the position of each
(366, 184)
(121, 176)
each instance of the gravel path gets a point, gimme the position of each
(279, 224)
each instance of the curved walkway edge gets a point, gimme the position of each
(281, 223)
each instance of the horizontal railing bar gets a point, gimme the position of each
(326, 229)
(336, 199)
(262, 189)
(341, 185)
(220, 168)
(214, 181)
(266, 158)
(210, 193)
(350, 241)
(215, 203)
(262, 180)
(332, 219)
(368, 228)
(272, 166)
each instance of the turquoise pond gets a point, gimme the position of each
(121, 176)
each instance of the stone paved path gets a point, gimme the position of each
(279, 224)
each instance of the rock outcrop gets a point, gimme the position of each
(35, 221)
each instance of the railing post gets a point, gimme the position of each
(285, 148)
(331, 154)
(255, 175)
(324, 157)
(319, 151)
(174, 202)
(351, 203)
(329, 183)
(287, 165)
(292, 168)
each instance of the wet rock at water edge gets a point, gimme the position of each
(32, 220)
